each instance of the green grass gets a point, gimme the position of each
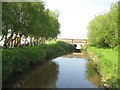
(52, 42)
(107, 63)
(19, 59)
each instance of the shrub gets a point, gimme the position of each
(7, 63)
(19, 59)
(36, 54)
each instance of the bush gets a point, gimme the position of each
(66, 46)
(36, 54)
(7, 63)
(19, 59)
(54, 51)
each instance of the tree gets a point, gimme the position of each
(28, 20)
(103, 29)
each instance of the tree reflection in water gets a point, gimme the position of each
(46, 75)
(43, 76)
(92, 75)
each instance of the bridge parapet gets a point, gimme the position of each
(74, 41)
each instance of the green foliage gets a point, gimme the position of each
(107, 63)
(36, 54)
(28, 20)
(7, 63)
(65, 46)
(60, 47)
(51, 52)
(103, 29)
(19, 59)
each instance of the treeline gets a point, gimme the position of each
(103, 29)
(28, 21)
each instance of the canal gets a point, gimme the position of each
(70, 71)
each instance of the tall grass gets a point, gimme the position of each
(19, 59)
(107, 63)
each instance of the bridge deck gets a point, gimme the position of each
(75, 41)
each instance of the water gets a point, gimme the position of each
(69, 71)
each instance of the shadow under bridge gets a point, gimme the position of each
(78, 43)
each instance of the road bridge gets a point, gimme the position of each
(78, 42)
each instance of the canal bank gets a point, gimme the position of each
(106, 63)
(74, 70)
(18, 60)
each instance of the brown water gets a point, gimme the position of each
(69, 71)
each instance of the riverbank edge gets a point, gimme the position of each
(96, 56)
(95, 59)
(20, 59)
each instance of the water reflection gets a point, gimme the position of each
(77, 55)
(69, 71)
(44, 76)
(92, 75)
(72, 73)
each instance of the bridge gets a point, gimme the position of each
(78, 42)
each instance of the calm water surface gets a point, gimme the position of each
(69, 71)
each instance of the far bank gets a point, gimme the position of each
(106, 63)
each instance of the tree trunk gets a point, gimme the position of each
(30, 41)
(25, 41)
(19, 41)
(10, 40)
(37, 42)
(5, 42)
(15, 41)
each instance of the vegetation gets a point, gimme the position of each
(19, 59)
(32, 23)
(103, 29)
(104, 42)
(29, 22)
(106, 61)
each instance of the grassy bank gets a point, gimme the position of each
(106, 61)
(19, 59)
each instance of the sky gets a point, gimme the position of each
(75, 15)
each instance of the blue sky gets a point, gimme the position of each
(76, 14)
